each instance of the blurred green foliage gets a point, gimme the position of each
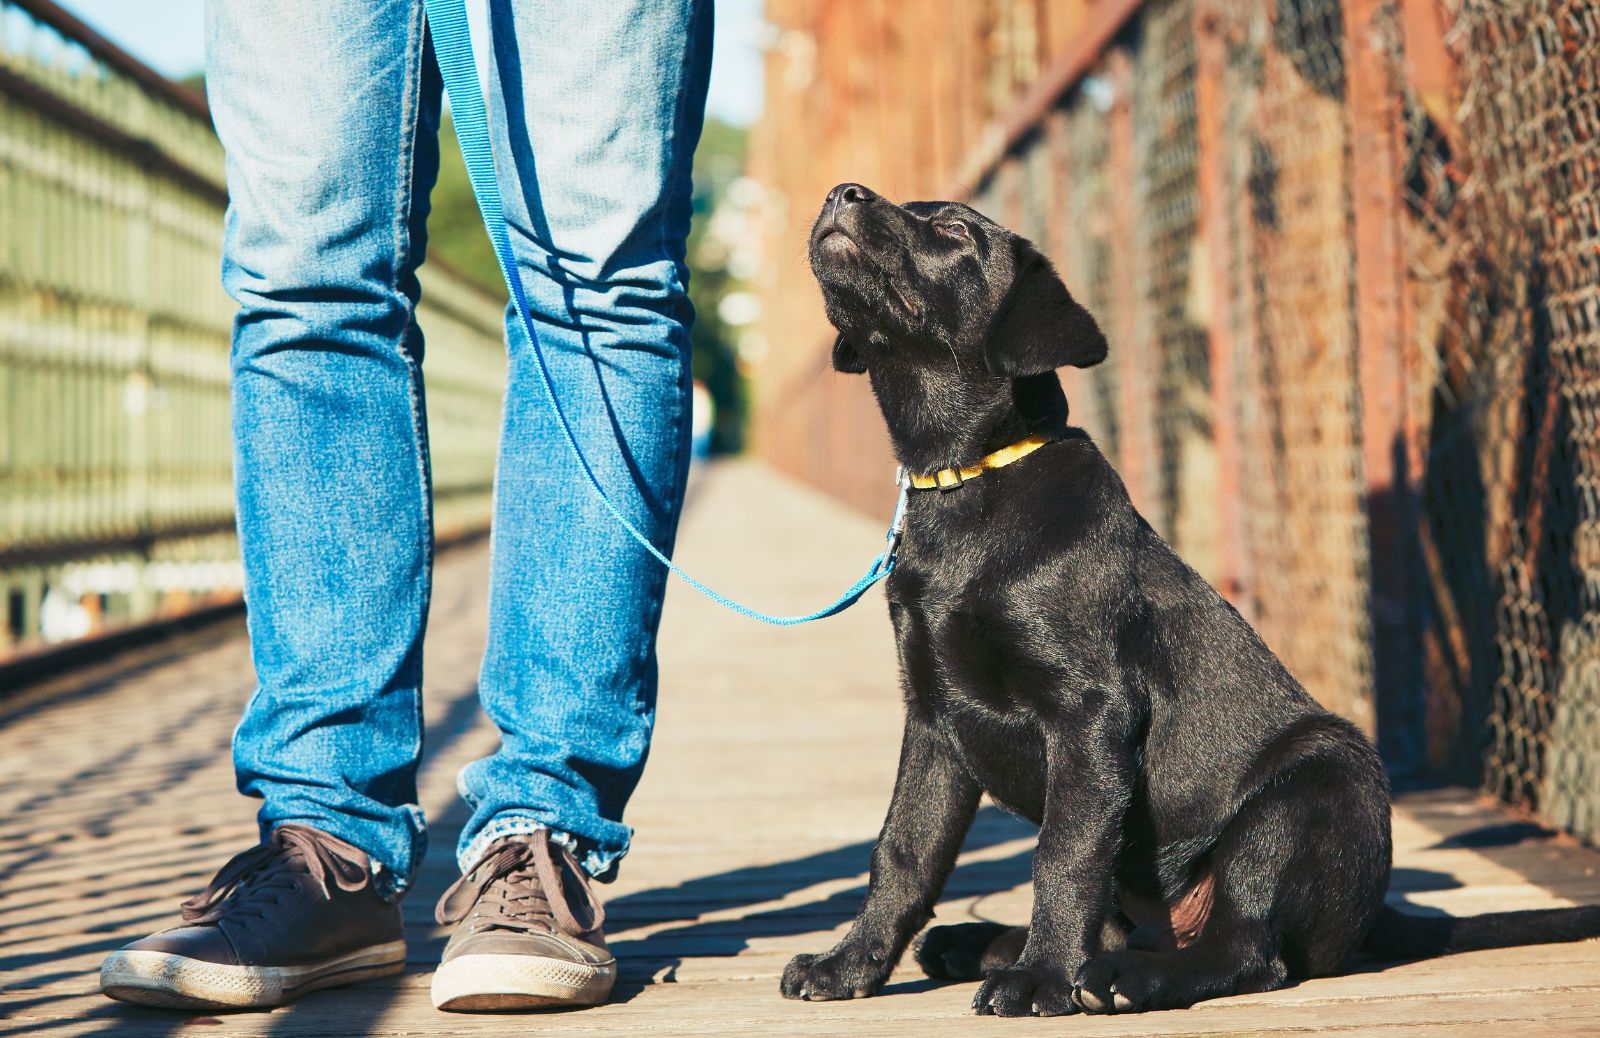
(455, 230)
(456, 235)
(719, 162)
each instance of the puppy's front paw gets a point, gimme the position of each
(841, 973)
(1026, 991)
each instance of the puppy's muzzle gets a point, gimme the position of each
(838, 224)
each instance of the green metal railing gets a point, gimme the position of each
(116, 501)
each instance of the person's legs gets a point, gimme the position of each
(329, 114)
(596, 108)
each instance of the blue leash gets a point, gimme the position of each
(452, 42)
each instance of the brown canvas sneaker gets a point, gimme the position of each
(529, 933)
(290, 915)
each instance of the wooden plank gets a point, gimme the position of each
(774, 757)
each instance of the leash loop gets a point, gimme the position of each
(452, 43)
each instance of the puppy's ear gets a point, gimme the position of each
(847, 358)
(1040, 327)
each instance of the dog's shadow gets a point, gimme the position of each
(655, 958)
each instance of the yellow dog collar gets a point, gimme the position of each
(949, 479)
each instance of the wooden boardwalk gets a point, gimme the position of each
(770, 774)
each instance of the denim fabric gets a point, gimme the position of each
(329, 113)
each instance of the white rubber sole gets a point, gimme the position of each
(152, 978)
(473, 983)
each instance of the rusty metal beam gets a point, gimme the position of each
(1430, 67)
(1101, 24)
(76, 29)
(1136, 384)
(1210, 120)
(1377, 157)
(138, 149)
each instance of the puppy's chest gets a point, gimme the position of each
(971, 671)
(958, 656)
(967, 644)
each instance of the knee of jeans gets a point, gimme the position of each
(619, 300)
(613, 245)
(313, 292)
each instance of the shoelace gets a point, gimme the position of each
(246, 884)
(519, 885)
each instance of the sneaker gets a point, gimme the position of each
(529, 932)
(293, 914)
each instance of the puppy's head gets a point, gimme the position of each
(938, 287)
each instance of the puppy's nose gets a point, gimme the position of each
(849, 194)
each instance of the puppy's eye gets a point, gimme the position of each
(955, 229)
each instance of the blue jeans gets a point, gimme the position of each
(330, 114)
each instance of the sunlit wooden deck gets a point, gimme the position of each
(771, 771)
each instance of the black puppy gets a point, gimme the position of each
(1205, 827)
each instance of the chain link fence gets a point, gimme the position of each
(1347, 253)
(1504, 260)
(1144, 268)
(1304, 534)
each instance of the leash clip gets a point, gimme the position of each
(897, 524)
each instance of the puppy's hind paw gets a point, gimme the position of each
(1117, 982)
(957, 952)
(1025, 991)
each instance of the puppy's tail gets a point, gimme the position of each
(1396, 935)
